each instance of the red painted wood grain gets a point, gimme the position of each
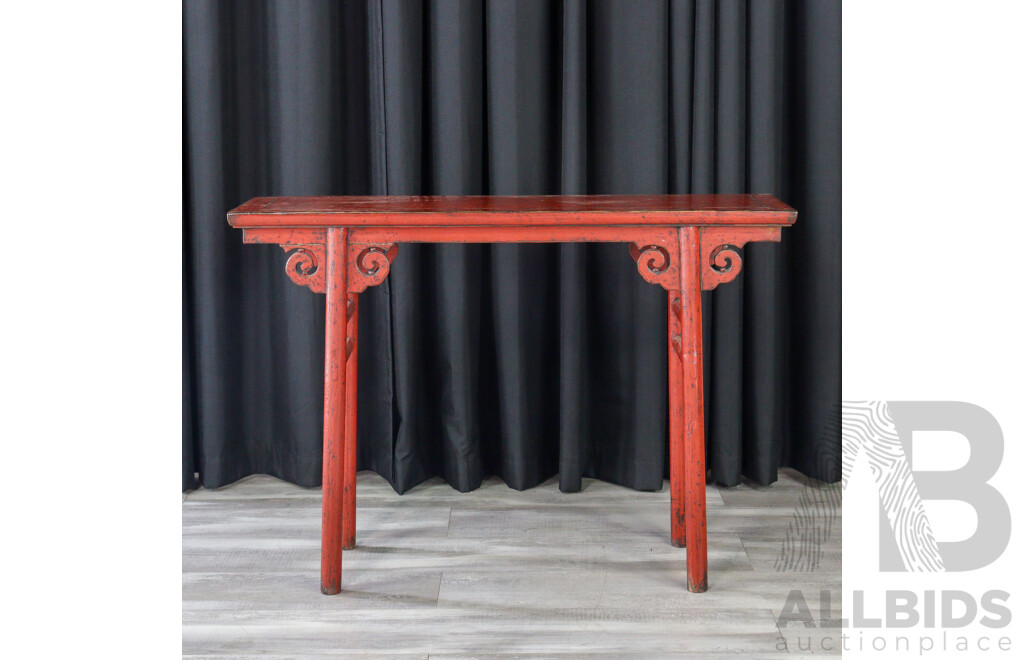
(348, 532)
(675, 420)
(335, 351)
(511, 210)
(694, 481)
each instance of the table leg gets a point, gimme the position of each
(693, 411)
(348, 532)
(335, 350)
(675, 419)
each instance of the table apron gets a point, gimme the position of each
(536, 234)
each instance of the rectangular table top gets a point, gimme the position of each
(450, 211)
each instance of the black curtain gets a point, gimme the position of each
(517, 360)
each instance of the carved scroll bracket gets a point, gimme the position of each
(722, 264)
(657, 262)
(369, 265)
(721, 259)
(307, 266)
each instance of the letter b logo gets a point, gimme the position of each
(883, 431)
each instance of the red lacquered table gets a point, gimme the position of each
(684, 243)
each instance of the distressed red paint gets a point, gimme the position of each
(694, 479)
(348, 530)
(675, 418)
(684, 243)
(335, 354)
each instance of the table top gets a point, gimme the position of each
(384, 211)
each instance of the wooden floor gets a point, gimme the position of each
(498, 573)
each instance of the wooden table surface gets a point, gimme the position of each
(515, 210)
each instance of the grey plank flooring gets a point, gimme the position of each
(496, 573)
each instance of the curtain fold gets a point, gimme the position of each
(517, 360)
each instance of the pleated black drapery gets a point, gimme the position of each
(517, 360)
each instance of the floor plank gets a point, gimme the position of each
(492, 573)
